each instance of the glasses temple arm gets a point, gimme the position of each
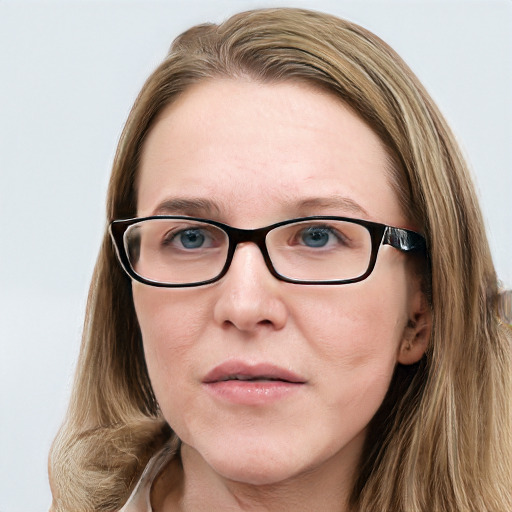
(404, 240)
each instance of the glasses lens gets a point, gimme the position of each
(320, 250)
(176, 251)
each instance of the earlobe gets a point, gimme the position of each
(416, 334)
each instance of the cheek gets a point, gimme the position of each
(356, 317)
(355, 331)
(168, 316)
(170, 322)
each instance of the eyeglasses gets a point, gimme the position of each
(179, 251)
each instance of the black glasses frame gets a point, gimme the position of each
(402, 239)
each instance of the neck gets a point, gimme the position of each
(197, 487)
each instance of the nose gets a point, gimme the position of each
(250, 298)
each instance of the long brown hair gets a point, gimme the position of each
(442, 439)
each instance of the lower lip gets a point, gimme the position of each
(246, 392)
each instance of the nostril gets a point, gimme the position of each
(239, 325)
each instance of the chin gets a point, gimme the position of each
(253, 462)
(255, 472)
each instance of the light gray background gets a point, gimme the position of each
(69, 72)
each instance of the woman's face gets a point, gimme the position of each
(320, 358)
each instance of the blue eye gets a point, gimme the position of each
(182, 237)
(316, 236)
(191, 238)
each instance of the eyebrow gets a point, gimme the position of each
(193, 207)
(332, 202)
(206, 208)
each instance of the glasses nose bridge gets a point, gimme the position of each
(256, 236)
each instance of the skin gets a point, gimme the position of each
(259, 151)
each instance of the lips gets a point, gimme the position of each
(238, 371)
(237, 383)
(261, 378)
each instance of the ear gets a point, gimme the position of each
(417, 331)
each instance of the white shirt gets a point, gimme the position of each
(140, 499)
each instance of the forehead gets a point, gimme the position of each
(262, 152)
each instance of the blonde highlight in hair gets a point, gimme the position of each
(442, 439)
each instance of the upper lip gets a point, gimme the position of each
(231, 370)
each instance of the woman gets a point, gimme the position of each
(310, 322)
